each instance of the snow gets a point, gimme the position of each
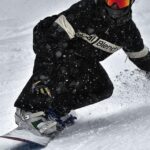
(121, 122)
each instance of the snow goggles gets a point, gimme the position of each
(120, 3)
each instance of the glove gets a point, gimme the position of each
(40, 87)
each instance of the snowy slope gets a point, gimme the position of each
(121, 122)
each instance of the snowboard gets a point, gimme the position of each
(22, 139)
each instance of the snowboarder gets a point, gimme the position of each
(67, 74)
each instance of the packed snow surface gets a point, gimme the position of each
(121, 122)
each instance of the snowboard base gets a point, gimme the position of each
(25, 140)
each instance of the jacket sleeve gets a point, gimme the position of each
(135, 49)
(51, 36)
(53, 33)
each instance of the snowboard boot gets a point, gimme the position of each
(41, 123)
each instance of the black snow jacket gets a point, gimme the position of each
(85, 31)
(68, 49)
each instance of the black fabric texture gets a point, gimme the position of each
(77, 79)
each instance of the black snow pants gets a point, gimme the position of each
(74, 83)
